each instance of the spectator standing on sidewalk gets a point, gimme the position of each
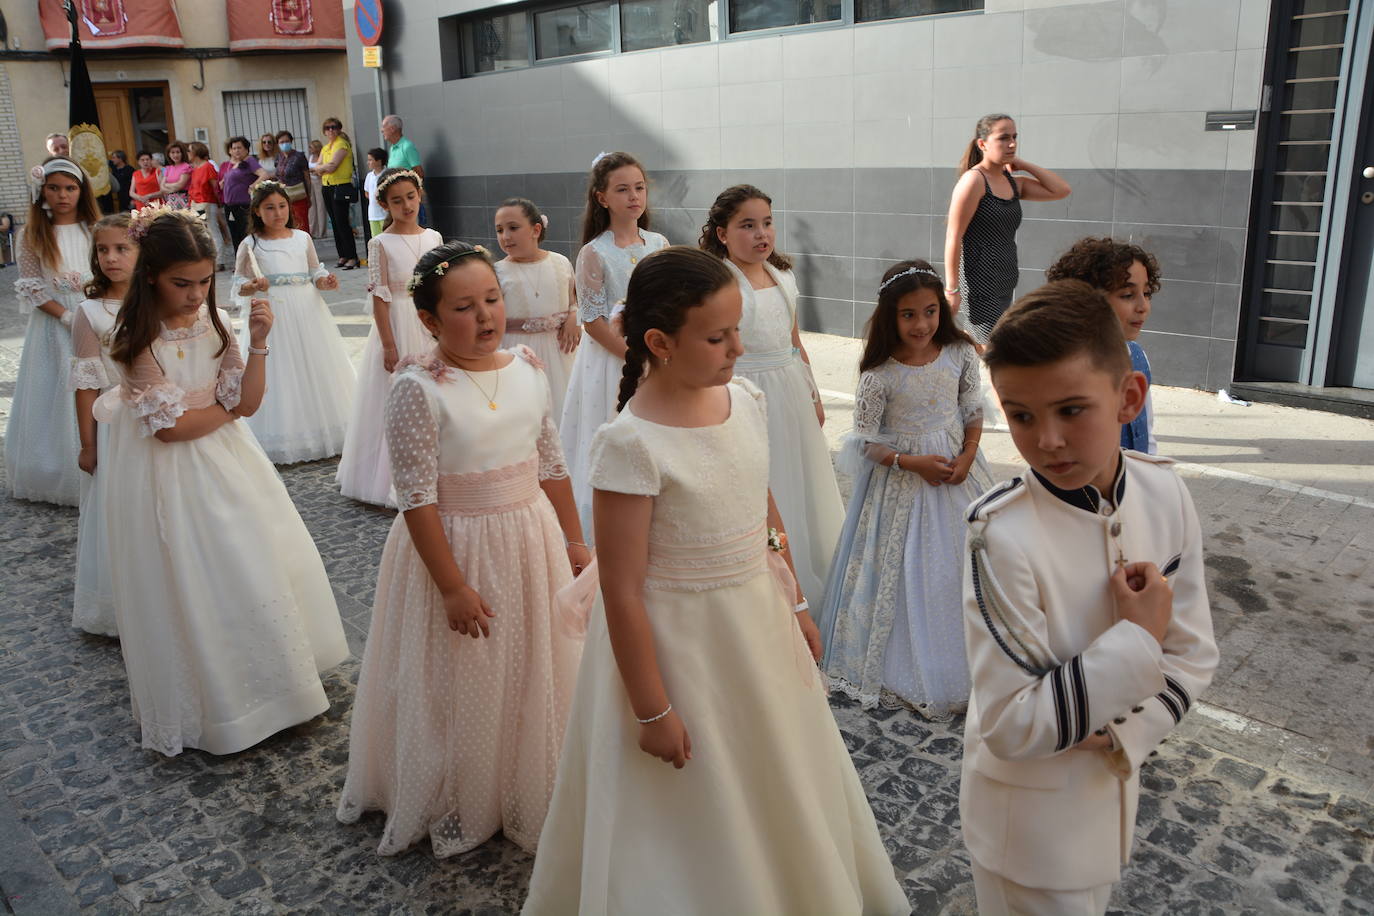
(403, 154)
(237, 178)
(336, 174)
(292, 171)
(319, 218)
(124, 177)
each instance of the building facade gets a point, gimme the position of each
(195, 70)
(1170, 118)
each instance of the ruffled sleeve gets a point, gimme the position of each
(591, 286)
(34, 286)
(378, 274)
(870, 404)
(155, 402)
(87, 368)
(229, 382)
(970, 387)
(622, 463)
(245, 270)
(312, 258)
(412, 440)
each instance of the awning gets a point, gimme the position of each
(113, 24)
(286, 25)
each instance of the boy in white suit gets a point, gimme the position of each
(1086, 616)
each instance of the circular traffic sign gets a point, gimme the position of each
(367, 18)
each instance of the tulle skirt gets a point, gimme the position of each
(93, 604)
(456, 738)
(226, 617)
(800, 473)
(558, 366)
(304, 414)
(592, 393)
(365, 469)
(768, 816)
(41, 444)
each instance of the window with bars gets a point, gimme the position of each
(252, 113)
(1306, 93)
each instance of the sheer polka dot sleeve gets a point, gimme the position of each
(621, 461)
(412, 439)
(970, 387)
(87, 369)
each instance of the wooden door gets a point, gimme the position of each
(116, 123)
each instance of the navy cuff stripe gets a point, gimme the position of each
(1171, 705)
(1061, 708)
(1080, 694)
(1177, 690)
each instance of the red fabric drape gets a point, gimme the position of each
(286, 25)
(113, 24)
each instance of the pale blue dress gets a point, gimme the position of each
(892, 618)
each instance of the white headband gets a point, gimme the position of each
(65, 166)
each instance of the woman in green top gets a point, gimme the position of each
(336, 178)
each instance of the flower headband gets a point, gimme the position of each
(438, 270)
(269, 185)
(394, 177)
(140, 221)
(907, 273)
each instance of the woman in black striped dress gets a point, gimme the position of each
(984, 214)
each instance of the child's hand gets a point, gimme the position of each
(1143, 596)
(579, 556)
(85, 459)
(1094, 743)
(934, 469)
(569, 333)
(667, 739)
(811, 633)
(960, 468)
(467, 613)
(259, 322)
(390, 357)
(261, 284)
(327, 282)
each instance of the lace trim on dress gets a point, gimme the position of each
(87, 373)
(229, 387)
(197, 328)
(428, 363)
(32, 292)
(888, 699)
(487, 492)
(158, 407)
(552, 464)
(536, 325)
(528, 356)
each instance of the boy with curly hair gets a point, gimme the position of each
(1129, 276)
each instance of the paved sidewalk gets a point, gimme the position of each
(1262, 801)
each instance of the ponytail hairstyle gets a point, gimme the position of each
(662, 288)
(722, 211)
(100, 284)
(167, 238)
(981, 131)
(881, 336)
(531, 212)
(39, 237)
(433, 264)
(262, 191)
(595, 218)
(390, 177)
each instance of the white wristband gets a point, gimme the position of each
(652, 719)
(802, 605)
(262, 352)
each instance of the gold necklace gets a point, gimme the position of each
(491, 398)
(524, 280)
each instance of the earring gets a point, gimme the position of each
(666, 360)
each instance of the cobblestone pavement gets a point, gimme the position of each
(1249, 808)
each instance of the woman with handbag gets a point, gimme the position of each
(336, 174)
(293, 169)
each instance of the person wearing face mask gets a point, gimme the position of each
(293, 168)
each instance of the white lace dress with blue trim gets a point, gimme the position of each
(40, 438)
(603, 276)
(226, 617)
(892, 617)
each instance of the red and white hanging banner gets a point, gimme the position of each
(286, 25)
(113, 24)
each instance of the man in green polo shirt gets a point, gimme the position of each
(402, 153)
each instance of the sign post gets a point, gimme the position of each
(367, 19)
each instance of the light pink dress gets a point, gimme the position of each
(454, 737)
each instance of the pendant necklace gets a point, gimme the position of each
(491, 398)
(525, 282)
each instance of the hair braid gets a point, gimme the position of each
(636, 357)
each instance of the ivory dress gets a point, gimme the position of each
(456, 738)
(800, 473)
(603, 276)
(41, 444)
(539, 295)
(365, 470)
(892, 618)
(91, 367)
(304, 414)
(768, 816)
(226, 617)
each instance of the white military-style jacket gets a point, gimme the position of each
(1052, 664)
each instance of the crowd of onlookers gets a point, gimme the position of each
(321, 182)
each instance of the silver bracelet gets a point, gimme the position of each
(262, 352)
(802, 605)
(653, 719)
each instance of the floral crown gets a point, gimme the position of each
(438, 270)
(268, 185)
(396, 176)
(907, 273)
(140, 221)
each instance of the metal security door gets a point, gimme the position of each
(252, 113)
